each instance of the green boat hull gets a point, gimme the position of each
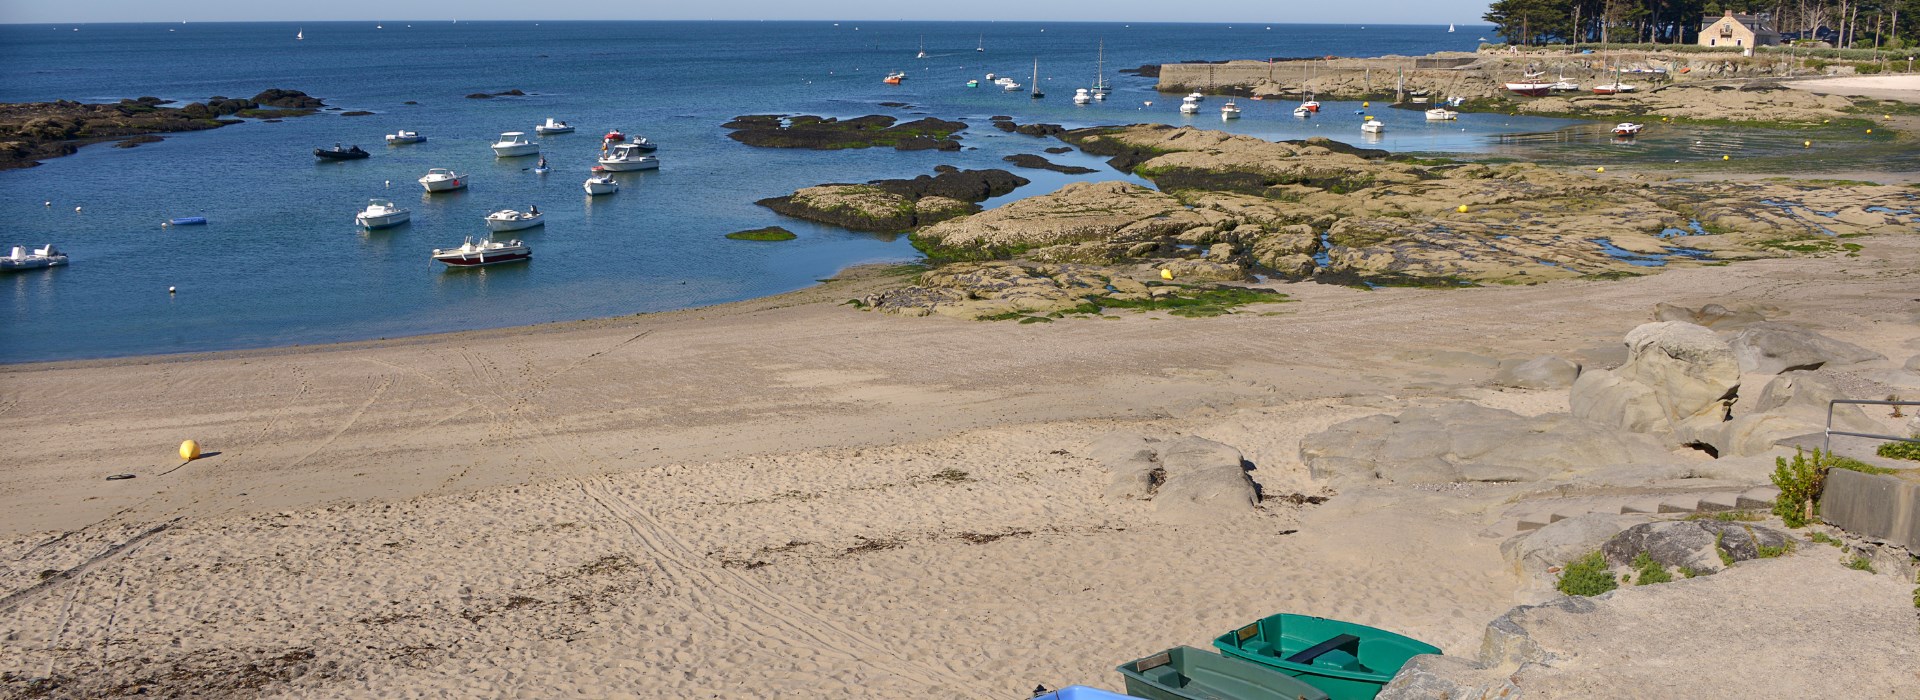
(1186, 673)
(1349, 661)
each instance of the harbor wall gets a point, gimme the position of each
(1470, 76)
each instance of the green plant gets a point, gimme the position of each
(1860, 564)
(1900, 450)
(1649, 571)
(1690, 572)
(1725, 558)
(1824, 538)
(1800, 482)
(1586, 576)
(1728, 516)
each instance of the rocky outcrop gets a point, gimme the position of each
(1039, 292)
(1026, 160)
(1189, 479)
(1702, 546)
(1714, 316)
(1091, 221)
(1772, 348)
(288, 99)
(1791, 407)
(827, 133)
(1466, 442)
(1719, 102)
(1538, 373)
(30, 132)
(897, 205)
(1679, 382)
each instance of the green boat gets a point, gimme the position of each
(1186, 673)
(1349, 661)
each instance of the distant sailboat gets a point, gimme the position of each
(1100, 87)
(1037, 94)
(923, 48)
(982, 48)
(1449, 29)
(300, 35)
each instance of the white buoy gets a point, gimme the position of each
(389, 184)
(170, 290)
(76, 210)
(47, 203)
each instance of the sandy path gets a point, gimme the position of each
(1905, 88)
(782, 497)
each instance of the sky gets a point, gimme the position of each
(1266, 11)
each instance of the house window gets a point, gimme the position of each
(1736, 42)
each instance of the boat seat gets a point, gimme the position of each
(1343, 642)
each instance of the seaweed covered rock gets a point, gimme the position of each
(287, 99)
(896, 205)
(1027, 160)
(828, 133)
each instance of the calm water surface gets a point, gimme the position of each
(282, 262)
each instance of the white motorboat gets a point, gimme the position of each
(21, 259)
(1081, 96)
(1371, 126)
(644, 145)
(1441, 114)
(1229, 110)
(553, 126)
(404, 136)
(1011, 86)
(514, 220)
(514, 144)
(1311, 105)
(1195, 96)
(381, 213)
(1613, 88)
(990, 77)
(1565, 85)
(1627, 129)
(1302, 111)
(1530, 88)
(1189, 105)
(601, 184)
(628, 156)
(442, 180)
(471, 254)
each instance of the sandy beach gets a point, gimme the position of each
(790, 497)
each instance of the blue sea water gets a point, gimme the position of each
(281, 262)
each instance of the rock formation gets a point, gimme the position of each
(827, 133)
(1679, 382)
(1188, 479)
(897, 205)
(1468, 442)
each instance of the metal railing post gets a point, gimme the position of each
(1827, 441)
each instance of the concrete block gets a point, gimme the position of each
(1878, 506)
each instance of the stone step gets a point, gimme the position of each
(1645, 505)
(1758, 498)
(1680, 503)
(1718, 502)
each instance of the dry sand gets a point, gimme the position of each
(783, 497)
(1905, 88)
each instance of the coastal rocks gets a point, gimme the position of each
(770, 233)
(1792, 406)
(1189, 479)
(1714, 316)
(1680, 380)
(896, 205)
(1434, 676)
(1539, 373)
(996, 290)
(1111, 214)
(33, 131)
(1007, 124)
(287, 99)
(1025, 160)
(1468, 442)
(137, 140)
(1772, 348)
(1720, 102)
(1192, 159)
(516, 92)
(1704, 546)
(826, 133)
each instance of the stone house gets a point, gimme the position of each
(1737, 30)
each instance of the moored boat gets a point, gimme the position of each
(1229, 110)
(381, 213)
(514, 144)
(1311, 105)
(187, 221)
(1081, 96)
(1627, 129)
(339, 153)
(601, 184)
(643, 144)
(1188, 105)
(1346, 660)
(1441, 114)
(1302, 111)
(614, 136)
(514, 219)
(22, 259)
(403, 137)
(471, 254)
(1186, 673)
(894, 78)
(1372, 126)
(553, 126)
(1613, 88)
(442, 180)
(1196, 96)
(1565, 85)
(973, 83)
(1530, 88)
(628, 156)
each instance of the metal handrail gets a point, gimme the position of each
(1827, 443)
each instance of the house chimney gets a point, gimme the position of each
(1729, 13)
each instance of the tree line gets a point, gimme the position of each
(1888, 24)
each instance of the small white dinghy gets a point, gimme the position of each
(514, 144)
(601, 184)
(471, 254)
(515, 220)
(1302, 112)
(381, 213)
(1627, 129)
(442, 180)
(45, 256)
(403, 136)
(1441, 114)
(553, 126)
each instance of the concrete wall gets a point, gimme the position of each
(1878, 506)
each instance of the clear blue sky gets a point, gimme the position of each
(1297, 11)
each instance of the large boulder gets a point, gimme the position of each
(1715, 316)
(1679, 381)
(1563, 541)
(1189, 479)
(1703, 546)
(1791, 406)
(1772, 348)
(1434, 677)
(1538, 373)
(1468, 442)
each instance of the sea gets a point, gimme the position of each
(280, 261)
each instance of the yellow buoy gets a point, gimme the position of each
(1166, 274)
(189, 450)
(1869, 131)
(1726, 157)
(1806, 144)
(1462, 209)
(1366, 104)
(1886, 116)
